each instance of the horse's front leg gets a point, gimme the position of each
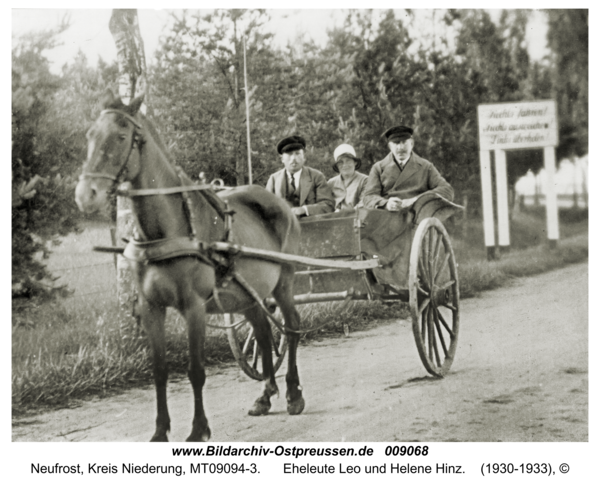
(153, 319)
(284, 295)
(195, 316)
(262, 334)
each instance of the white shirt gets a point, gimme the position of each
(296, 177)
(402, 162)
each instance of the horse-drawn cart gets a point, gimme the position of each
(374, 255)
(205, 254)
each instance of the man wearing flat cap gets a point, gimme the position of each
(348, 186)
(396, 181)
(305, 189)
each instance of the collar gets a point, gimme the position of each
(296, 176)
(401, 162)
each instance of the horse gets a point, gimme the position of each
(172, 266)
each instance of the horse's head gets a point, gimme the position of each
(113, 152)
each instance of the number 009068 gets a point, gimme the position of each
(406, 450)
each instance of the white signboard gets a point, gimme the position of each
(526, 124)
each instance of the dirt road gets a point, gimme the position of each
(520, 374)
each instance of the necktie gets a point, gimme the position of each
(399, 165)
(292, 183)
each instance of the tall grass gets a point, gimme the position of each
(74, 348)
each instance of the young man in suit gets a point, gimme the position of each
(396, 181)
(304, 188)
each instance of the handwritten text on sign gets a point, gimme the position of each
(517, 125)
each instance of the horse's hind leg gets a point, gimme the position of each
(195, 317)
(153, 318)
(284, 295)
(262, 334)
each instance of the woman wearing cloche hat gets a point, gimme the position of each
(349, 185)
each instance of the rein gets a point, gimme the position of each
(167, 190)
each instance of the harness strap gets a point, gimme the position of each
(158, 250)
(122, 113)
(161, 191)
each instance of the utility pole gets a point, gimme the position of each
(247, 116)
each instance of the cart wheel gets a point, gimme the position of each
(246, 350)
(434, 297)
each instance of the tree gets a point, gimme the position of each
(50, 116)
(40, 207)
(200, 102)
(568, 39)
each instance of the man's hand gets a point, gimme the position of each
(301, 211)
(394, 204)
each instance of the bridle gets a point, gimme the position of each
(136, 139)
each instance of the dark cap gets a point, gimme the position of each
(398, 134)
(288, 144)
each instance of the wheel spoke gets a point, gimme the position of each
(439, 330)
(248, 340)
(436, 252)
(447, 284)
(275, 344)
(441, 267)
(430, 335)
(239, 323)
(433, 257)
(450, 306)
(433, 338)
(424, 324)
(422, 269)
(255, 354)
(424, 305)
(445, 324)
(425, 293)
(432, 235)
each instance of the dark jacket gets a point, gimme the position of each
(315, 194)
(418, 177)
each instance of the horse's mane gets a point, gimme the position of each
(215, 201)
(149, 125)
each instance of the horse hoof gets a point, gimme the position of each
(260, 408)
(159, 438)
(296, 407)
(202, 437)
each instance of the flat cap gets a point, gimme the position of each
(288, 144)
(398, 134)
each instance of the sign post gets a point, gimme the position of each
(502, 199)
(551, 203)
(488, 203)
(512, 126)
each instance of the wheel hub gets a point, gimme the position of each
(439, 296)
